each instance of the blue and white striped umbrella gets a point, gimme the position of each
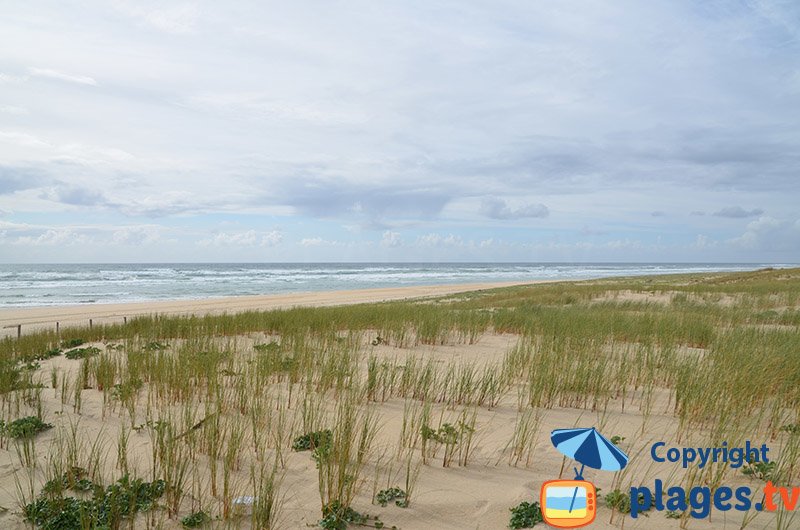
(590, 448)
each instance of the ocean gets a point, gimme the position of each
(50, 285)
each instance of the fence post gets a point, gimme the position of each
(57, 328)
(90, 323)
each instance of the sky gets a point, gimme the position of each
(618, 130)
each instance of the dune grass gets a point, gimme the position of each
(222, 398)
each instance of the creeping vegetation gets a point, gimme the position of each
(525, 515)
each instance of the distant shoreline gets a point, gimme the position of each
(40, 286)
(45, 317)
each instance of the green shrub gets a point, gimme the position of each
(195, 520)
(71, 343)
(525, 515)
(82, 353)
(27, 427)
(312, 440)
(384, 497)
(106, 509)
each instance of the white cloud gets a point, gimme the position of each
(249, 238)
(13, 110)
(8, 78)
(437, 240)
(495, 208)
(355, 117)
(61, 76)
(770, 234)
(136, 235)
(177, 18)
(55, 237)
(22, 139)
(391, 239)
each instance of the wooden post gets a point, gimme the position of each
(56, 328)
(90, 323)
(125, 320)
(19, 330)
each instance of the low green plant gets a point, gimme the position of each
(123, 391)
(106, 509)
(335, 516)
(71, 343)
(791, 428)
(621, 502)
(27, 427)
(765, 471)
(82, 353)
(75, 479)
(395, 494)
(525, 515)
(312, 440)
(448, 435)
(195, 520)
(49, 354)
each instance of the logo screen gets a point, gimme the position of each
(564, 502)
(568, 503)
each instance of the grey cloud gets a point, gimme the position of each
(78, 196)
(322, 198)
(495, 208)
(658, 213)
(17, 179)
(737, 212)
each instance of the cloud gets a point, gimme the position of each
(498, 209)
(391, 239)
(78, 196)
(137, 235)
(592, 231)
(55, 237)
(771, 235)
(658, 213)
(9, 78)
(22, 139)
(737, 212)
(319, 197)
(17, 178)
(437, 240)
(47, 73)
(13, 110)
(249, 238)
(361, 118)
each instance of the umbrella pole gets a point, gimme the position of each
(578, 476)
(574, 494)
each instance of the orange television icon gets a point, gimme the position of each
(568, 503)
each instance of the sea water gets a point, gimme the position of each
(48, 285)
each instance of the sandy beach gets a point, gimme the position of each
(45, 317)
(452, 403)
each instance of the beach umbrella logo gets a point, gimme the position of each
(573, 503)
